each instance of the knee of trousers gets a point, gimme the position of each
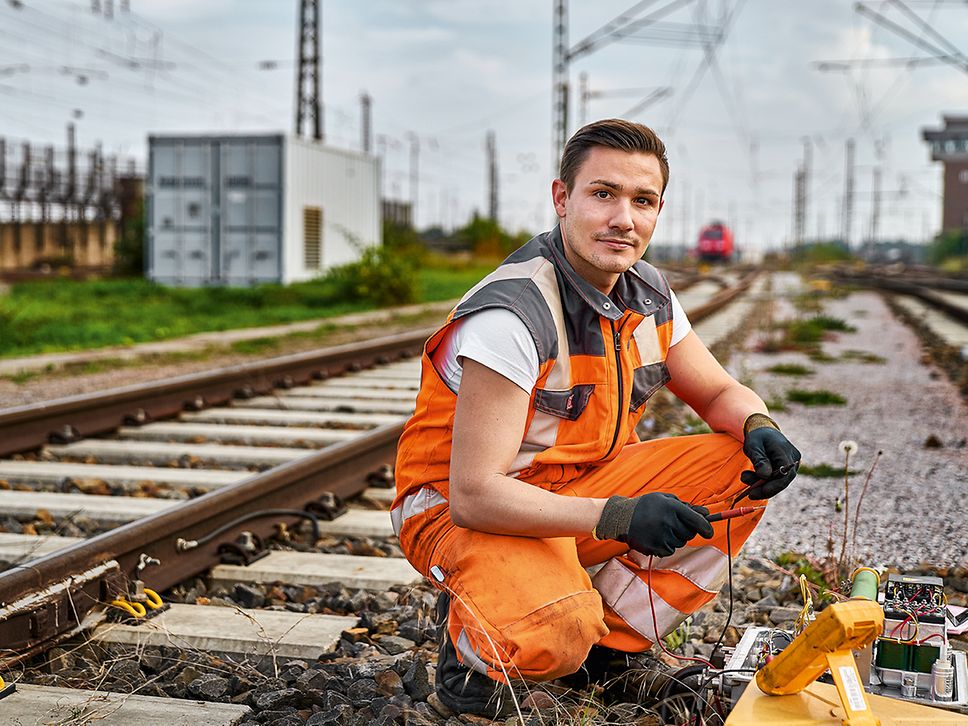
(554, 641)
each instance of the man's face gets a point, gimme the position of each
(607, 219)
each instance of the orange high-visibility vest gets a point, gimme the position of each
(600, 359)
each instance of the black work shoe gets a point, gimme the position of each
(458, 687)
(622, 675)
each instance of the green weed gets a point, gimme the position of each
(823, 471)
(819, 397)
(790, 369)
(862, 356)
(812, 330)
(21, 377)
(255, 346)
(800, 564)
(680, 636)
(776, 404)
(818, 356)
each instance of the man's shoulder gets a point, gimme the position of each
(651, 274)
(520, 272)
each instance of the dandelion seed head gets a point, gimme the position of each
(848, 447)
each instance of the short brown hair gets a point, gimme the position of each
(614, 133)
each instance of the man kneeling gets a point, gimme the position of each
(521, 466)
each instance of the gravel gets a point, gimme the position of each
(377, 676)
(914, 509)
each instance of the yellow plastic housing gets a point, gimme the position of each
(843, 626)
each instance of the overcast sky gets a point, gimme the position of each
(736, 120)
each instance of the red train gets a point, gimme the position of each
(715, 243)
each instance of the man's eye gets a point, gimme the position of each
(644, 200)
(601, 194)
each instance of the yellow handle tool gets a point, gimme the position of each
(827, 643)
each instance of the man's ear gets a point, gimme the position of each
(661, 205)
(559, 195)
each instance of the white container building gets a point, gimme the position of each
(242, 210)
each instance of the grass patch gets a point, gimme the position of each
(62, 315)
(255, 346)
(105, 365)
(862, 356)
(819, 397)
(824, 471)
(800, 564)
(790, 369)
(21, 377)
(819, 356)
(776, 404)
(812, 330)
(803, 334)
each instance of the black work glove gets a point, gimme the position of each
(653, 524)
(774, 458)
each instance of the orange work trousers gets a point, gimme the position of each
(527, 608)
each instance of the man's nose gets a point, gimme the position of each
(622, 216)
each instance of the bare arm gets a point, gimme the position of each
(488, 427)
(700, 381)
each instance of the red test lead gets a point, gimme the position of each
(732, 513)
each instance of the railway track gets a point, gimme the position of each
(252, 448)
(941, 301)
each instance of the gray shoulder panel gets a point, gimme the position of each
(523, 298)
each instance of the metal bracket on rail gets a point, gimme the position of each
(138, 417)
(64, 435)
(328, 507)
(382, 478)
(139, 603)
(246, 549)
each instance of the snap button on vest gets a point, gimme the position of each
(607, 306)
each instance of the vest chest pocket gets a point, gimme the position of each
(647, 380)
(567, 404)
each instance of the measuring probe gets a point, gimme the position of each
(732, 513)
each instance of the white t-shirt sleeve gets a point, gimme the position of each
(499, 339)
(680, 323)
(495, 338)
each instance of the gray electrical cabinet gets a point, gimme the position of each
(243, 210)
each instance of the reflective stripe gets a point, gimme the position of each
(559, 378)
(412, 504)
(468, 655)
(510, 271)
(526, 454)
(543, 432)
(704, 566)
(623, 591)
(647, 341)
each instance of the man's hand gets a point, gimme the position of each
(774, 458)
(653, 524)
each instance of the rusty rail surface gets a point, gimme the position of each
(29, 621)
(722, 298)
(29, 427)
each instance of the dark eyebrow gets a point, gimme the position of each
(618, 187)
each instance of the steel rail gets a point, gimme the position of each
(914, 289)
(721, 298)
(29, 427)
(340, 469)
